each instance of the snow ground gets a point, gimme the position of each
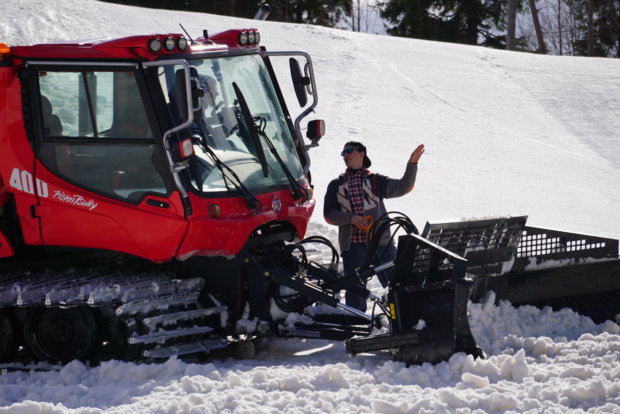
(506, 133)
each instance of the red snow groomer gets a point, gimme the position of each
(153, 191)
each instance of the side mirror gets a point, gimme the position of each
(299, 82)
(316, 129)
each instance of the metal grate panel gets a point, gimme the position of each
(488, 244)
(422, 263)
(462, 237)
(554, 244)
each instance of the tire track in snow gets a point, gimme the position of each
(425, 88)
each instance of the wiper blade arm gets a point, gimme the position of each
(251, 201)
(251, 128)
(298, 190)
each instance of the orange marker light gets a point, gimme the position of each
(5, 50)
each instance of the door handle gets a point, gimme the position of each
(157, 203)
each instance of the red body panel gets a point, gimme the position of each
(129, 48)
(227, 234)
(71, 216)
(16, 156)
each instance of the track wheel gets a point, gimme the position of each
(117, 345)
(7, 337)
(61, 335)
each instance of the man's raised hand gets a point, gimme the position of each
(416, 154)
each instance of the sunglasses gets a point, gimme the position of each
(347, 151)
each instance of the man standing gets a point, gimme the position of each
(356, 194)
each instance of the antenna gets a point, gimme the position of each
(188, 36)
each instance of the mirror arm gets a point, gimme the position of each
(311, 88)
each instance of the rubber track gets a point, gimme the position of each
(131, 297)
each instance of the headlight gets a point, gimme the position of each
(182, 43)
(169, 44)
(243, 38)
(154, 45)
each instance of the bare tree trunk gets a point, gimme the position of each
(560, 24)
(356, 16)
(359, 16)
(286, 14)
(542, 48)
(590, 28)
(512, 19)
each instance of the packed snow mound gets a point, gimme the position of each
(574, 370)
(503, 329)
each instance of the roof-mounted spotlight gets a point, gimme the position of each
(242, 39)
(252, 37)
(169, 44)
(182, 43)
(154, 45)
(257, 37)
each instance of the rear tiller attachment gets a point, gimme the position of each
(435, 275)
(426, 308)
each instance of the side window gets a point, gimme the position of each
(60, 103)
(93, 104)
(96, 133)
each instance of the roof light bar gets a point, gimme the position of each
(168, 44)
(248, 38)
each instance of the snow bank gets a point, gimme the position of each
(575, 370)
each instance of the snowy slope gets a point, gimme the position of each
(506, 133)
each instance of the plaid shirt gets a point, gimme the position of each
(376, 187)
(354, 180)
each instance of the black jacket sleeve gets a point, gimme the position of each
(387, 187)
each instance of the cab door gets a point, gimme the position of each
(103, 175)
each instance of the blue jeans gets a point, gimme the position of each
(354, 258)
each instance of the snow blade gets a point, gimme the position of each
(535, 266)
(428, 306)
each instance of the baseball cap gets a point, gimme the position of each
(360, 148)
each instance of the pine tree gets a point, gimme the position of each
(600, 34)
(461, 21)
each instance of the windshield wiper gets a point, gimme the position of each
(251, 131)
(298, 190)
(251, 201)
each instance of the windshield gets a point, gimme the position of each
(223, 128)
